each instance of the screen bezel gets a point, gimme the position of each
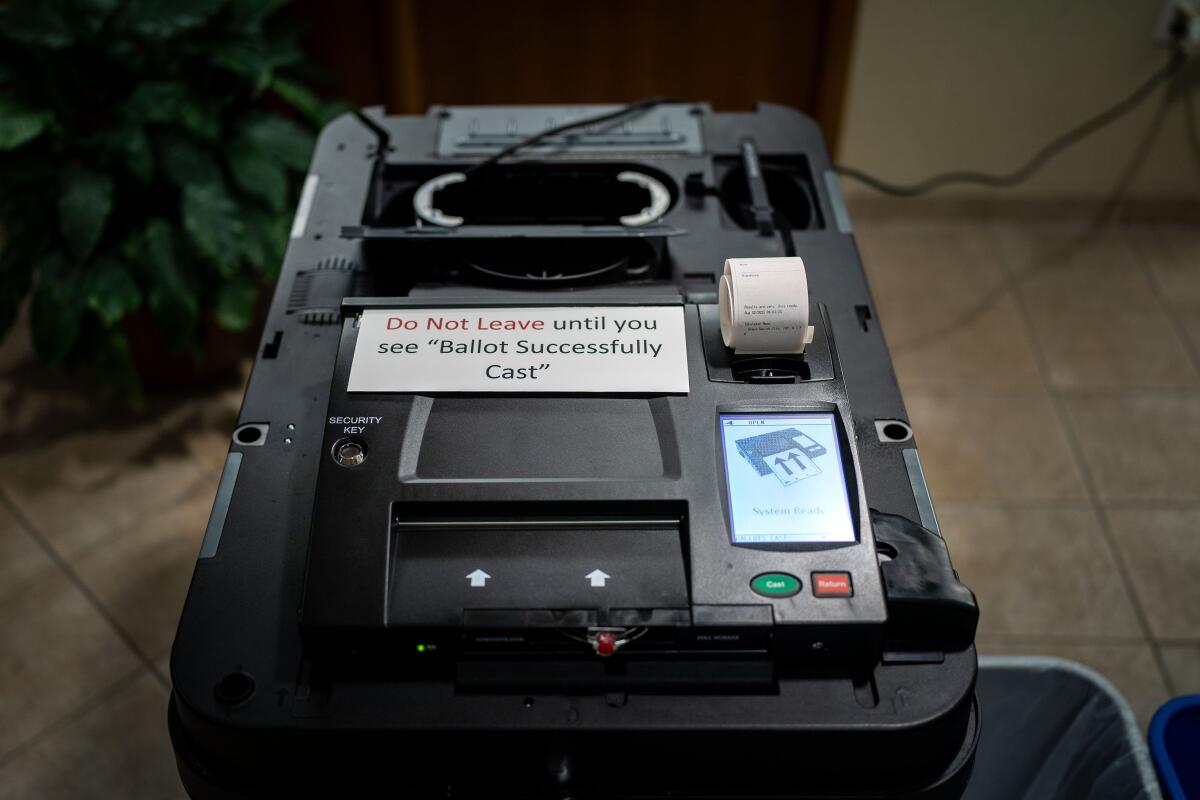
(849, 475)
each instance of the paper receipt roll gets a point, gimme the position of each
(764, 305)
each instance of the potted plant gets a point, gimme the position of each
(149, 151)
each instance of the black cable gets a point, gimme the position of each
(1136, 162)
(382, 141)
(1189, 119)
(1059, 257)
(1056, 146)
(633, 108)
(382, 137)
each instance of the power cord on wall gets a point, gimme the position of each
(1040, 159)
(1189, 120)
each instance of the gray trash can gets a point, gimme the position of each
(1052, 728)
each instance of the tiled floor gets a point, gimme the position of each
(1053, 382)
(101, 514)
(1052, 376)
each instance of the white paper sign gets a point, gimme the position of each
(557, 349)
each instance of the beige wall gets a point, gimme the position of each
(982, 84)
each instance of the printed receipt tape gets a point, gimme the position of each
(764, 305)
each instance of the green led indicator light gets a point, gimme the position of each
(420, 648)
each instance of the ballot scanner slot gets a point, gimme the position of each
(569, 565)
(599, 514)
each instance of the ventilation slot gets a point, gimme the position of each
(319, 316)
(298, 298)
(338, 263)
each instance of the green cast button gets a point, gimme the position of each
(776, 584)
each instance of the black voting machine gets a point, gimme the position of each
(458, 582)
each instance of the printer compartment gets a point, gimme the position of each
(726, 366)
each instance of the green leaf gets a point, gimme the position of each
(169, 295)
(124, 148)
(83, 209)
(139, 160)
(186, 163)
(19, 125)
(24, 211)
(212, 221)
(161, 263)
(297, 96)
(256, 57)
(331, 109)
(90, 15)
(247, 59)
(42, 23)
(201, 118)
(171, 103)
(111, 290)
(256, 175)
(155, 101)
(264, 242)
(248, 16)
(15, 276)
(115, 363)
(235, 305)
(163, 19)
(23, 184)
(96, 8)
(280, 140)
(56, 311)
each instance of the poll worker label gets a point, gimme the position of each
(547, 349)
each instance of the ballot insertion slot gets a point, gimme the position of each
(537, 565)
(513, 515)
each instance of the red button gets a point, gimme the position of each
(832, 584)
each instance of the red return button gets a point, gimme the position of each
(832, 584)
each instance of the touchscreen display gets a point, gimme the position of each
(785, 478)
